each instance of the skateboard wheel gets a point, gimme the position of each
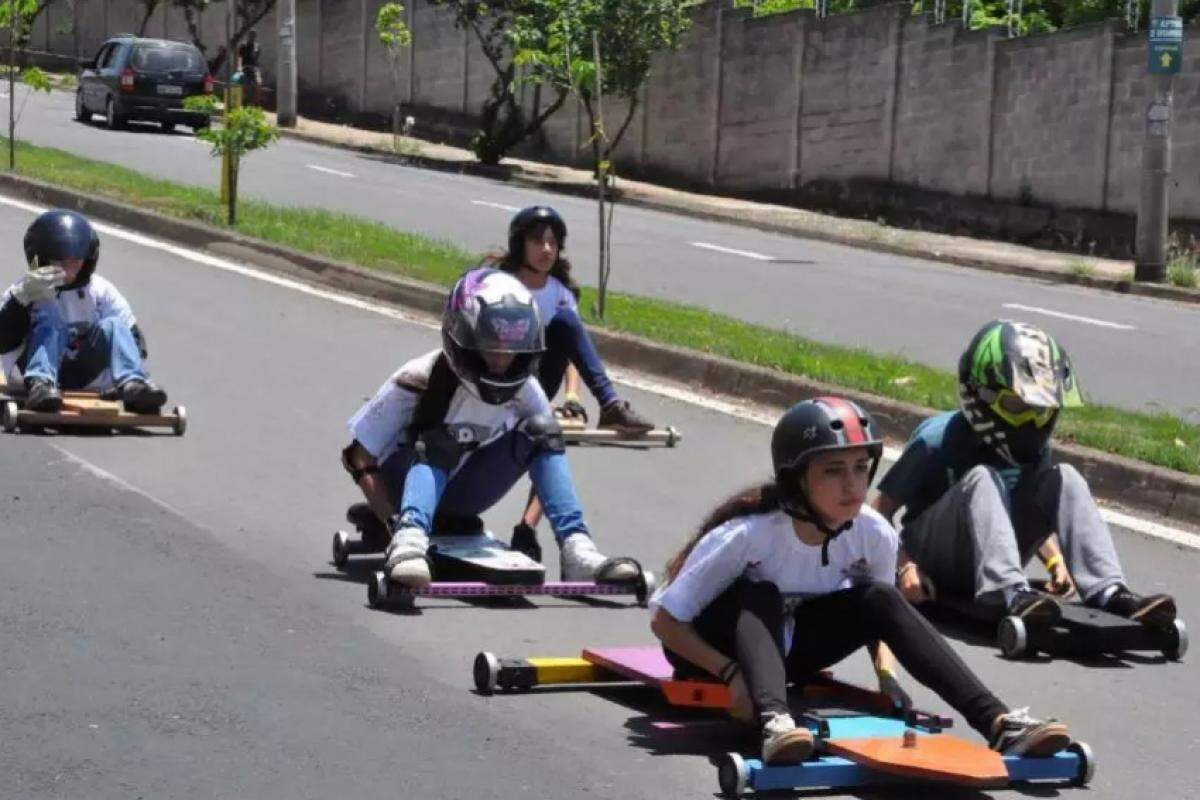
(180, 421)
(486, 672)
(1012, 637)
(8, 416)
(1177, 637)
(341, 548)
(1087, 763)
(733, 775)
(673, 436)
(377, 590)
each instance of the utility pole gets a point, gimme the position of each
(285, 89)
(12, 85)
(1165, 53)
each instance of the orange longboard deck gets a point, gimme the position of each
(90, 405)
(937, 757)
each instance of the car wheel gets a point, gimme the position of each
(81, 112)
(111, 118)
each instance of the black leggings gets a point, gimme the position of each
(746, 623)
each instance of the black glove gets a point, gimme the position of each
(572, 409)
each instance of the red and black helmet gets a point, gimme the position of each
(818, 426)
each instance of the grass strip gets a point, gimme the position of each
(1161, 439)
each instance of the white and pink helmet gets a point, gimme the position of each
(491, 311)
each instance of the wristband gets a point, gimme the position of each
(570, 397)
(1052, 562)
(910, 565)
(729, 672)
(885, 672)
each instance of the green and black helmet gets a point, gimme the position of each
(1012, 380)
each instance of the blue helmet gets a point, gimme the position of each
(61, 235)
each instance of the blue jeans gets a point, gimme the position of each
(567, 342)
(109, 344)
(488, 474)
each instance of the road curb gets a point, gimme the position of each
(1131, 483)
(516, 174)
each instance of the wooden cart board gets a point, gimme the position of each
(576, 431)
(82, 409)
(855, 748)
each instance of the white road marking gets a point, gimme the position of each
(120, 483)
(500, 206)
(732, 252)
(1061, 315)
(750, 413)
(329, 171)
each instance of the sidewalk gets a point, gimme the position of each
(1003, 257)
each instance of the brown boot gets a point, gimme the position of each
(621, 417)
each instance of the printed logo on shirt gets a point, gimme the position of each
(858, 571)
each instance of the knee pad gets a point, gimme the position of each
(544, 433)
(439, 448)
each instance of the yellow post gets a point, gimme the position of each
(233, 99)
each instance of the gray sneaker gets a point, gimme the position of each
(1018, 734)
(579, 560)
(783, 742)
(406, 562)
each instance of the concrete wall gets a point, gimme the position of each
(788, 105)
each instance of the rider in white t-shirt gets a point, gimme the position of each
(453, 430)
(537, 237)
(789, 578)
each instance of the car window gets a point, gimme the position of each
(105, 56)
(166, 58)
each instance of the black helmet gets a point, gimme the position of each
(60, 235)
(1012, 380)
(529, 218)
(490, 310)
(818, 426)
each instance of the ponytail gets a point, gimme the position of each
(759, 499)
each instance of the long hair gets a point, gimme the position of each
(755, 500)
(511, 262)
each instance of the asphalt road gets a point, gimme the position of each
(1131, 352)
(172, 626)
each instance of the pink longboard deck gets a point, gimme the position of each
(648, 665)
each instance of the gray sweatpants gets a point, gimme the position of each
(977, 538)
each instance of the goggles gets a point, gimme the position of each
(1009, 406)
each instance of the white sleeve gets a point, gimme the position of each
(111, 303)
(714, 564)
(379, 425)
(531, 401)
(566, 299)
(884, 543)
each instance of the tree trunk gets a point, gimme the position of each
(233, 182)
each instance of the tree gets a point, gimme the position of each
(394, 35)
(17, 17)
(243, 130)
(247, 15)
(598, 48)
(503, 122)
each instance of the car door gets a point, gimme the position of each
(89, 78)
(109, 74)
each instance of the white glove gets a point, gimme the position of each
(39, 284)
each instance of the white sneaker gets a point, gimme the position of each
(579, 560)
(783, 742)
(406, 563)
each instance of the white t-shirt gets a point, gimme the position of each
(381, 425)
(551, 298)
(764, 547)
(81, 308)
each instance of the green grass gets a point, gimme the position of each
(1181, 270)
(1080, 268)
(1160, 439)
